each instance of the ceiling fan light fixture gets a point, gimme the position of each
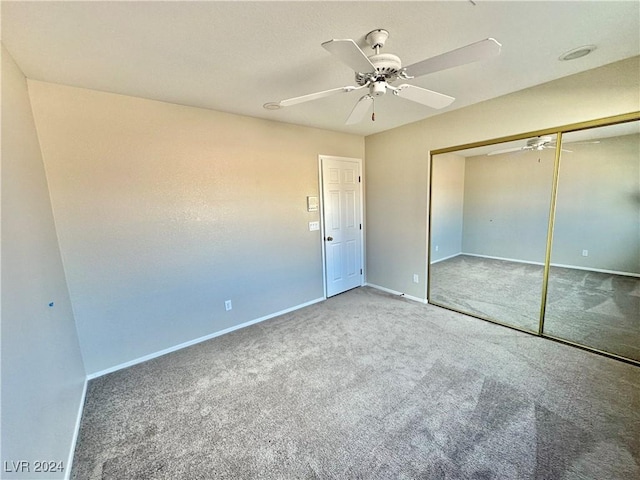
(577, 53)
(378, 88)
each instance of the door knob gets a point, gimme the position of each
(329, 239)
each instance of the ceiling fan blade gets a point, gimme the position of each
(506, 150)
(471, 53)
(350, 54)
(314, 96)
(553, 146)
(578, 142)
(423, 96)
(591, 142)
(360, 109)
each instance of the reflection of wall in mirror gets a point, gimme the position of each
(598, 208)
(447, 206)
(506, 205)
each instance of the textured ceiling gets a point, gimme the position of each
(235, 56)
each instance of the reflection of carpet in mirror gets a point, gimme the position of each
(599, 310)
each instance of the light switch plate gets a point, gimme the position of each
(314, 226)
(312, 204)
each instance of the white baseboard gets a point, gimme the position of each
(446, 258)
(199, 340)
(394, 292)
(599, 270)
(515, 260)
(76, 432)
(574, 267)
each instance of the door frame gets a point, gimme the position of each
(322, 219)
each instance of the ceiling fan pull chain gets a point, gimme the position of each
(373, 114)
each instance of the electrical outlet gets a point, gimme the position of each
(227, 305)
(585, 253)
(416, 278)
(437, 248)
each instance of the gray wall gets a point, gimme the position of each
(42, 370)
(396, 169)
(165, 211)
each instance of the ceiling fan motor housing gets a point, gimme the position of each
(539, 143)
(387, 66)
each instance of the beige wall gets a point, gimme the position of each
(165, 211)
(397, 160)
(42, 370)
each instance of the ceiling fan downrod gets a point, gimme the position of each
(376, 39)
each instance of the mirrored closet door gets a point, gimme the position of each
(489, 217)
(543, 237)
(594, 278)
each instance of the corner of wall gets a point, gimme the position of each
(43, 375)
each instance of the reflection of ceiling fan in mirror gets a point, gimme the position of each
(537, 143)
(376, 73)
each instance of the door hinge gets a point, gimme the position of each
(359, 179)
(360, 271)
(360, 226)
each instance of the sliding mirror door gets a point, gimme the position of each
(594, 278)
(489, 218)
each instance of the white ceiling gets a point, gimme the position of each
(236, 56)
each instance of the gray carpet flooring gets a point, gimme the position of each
(598, 310)
(366, 385)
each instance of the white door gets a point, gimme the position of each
(342, 219)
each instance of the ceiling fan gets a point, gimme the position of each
(378, 71)
(536, 143)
